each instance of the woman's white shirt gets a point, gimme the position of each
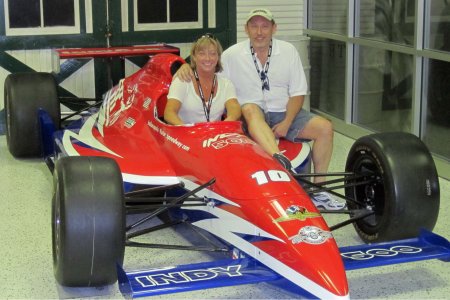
(191, 110)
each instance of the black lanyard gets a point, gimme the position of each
(263, 74)
(206, 107)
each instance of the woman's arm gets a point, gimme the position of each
(233, 110)
(171, 112)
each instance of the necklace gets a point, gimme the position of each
(206, 105)
(263, 73)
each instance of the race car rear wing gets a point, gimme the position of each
(233, 272)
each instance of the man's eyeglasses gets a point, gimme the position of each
(264, 81)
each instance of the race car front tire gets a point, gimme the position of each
(88, 221)
(405, 198)
(24, 95)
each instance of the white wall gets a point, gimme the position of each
(288, 15)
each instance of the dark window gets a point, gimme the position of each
(155, 11)
(152, 11)
(65, 15)
(183, 10)
(24, 13)
(27, 13)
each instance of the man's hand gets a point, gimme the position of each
(185, 73)
(280, 130)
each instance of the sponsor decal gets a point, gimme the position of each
(225, 139)
(168, 137)
(130, 122)
(167, 278)
(237, 254)
(146, 103)
(428, 187)
(295, 212)
(380, 252)
(311, 235)
(115, 103)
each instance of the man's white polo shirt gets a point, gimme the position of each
(286, 75)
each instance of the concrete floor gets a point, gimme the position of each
(26, 255)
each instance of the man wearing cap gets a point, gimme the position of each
(270, 85)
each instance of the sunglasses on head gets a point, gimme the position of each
(208, 36)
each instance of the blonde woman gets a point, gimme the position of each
(207, 98)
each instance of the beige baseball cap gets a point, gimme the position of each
(263, 12)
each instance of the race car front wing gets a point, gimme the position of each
(247, 270)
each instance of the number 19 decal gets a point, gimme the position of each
(263, 177)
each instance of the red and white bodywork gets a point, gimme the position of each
(254, 204)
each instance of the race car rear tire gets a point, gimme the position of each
(24, 94)
(406, 196)
(88, 221)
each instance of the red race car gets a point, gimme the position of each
(119, 158)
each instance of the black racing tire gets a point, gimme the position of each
(405, 197)
(24, 94)
(88, 221)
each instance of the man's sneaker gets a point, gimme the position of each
(326, 201)
(284, 161)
